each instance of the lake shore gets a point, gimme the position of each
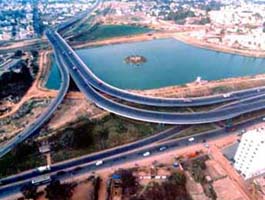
(181, 36)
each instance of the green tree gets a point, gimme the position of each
(179, 178)
(29, 191)
(18, 53)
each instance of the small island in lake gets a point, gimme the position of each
(135, 59)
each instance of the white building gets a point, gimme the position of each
(250, 155)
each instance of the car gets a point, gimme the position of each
(74, 68)
(191, 139)
(146, 154)
(263, 119)
(163, 148)
(227, 95)
(44, 168)
(100, 162)
(206, 145)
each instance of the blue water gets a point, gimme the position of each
(54, 79)
(169, 62)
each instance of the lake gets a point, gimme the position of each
(169, 62)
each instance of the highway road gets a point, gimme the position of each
(111, 158)
(95, 156)
(72, 21)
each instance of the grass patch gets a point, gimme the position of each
(85, 137)
(195, 129)
(221, 89)
(101, 32)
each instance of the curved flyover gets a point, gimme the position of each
(144, 100)
(151, 116)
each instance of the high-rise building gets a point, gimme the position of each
(250, 155)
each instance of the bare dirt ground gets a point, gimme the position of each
(17, 122)
(19, 44)
(35, 90)
(71, 109)
(205, 89)
(185, 37)
(83, 191)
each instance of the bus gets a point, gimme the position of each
(41, 180)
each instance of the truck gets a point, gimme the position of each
(44, 168)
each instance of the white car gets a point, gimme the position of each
(44, 168)
(191, 139)
(100, 162)
(146, 154)
(227, 95)
(163, 148)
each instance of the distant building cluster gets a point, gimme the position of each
(237, 24)
(16, 20)
(54, 12)
(242, 26)
(20, 20)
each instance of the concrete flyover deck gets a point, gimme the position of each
(89, 84)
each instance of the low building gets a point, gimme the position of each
(249, 158)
